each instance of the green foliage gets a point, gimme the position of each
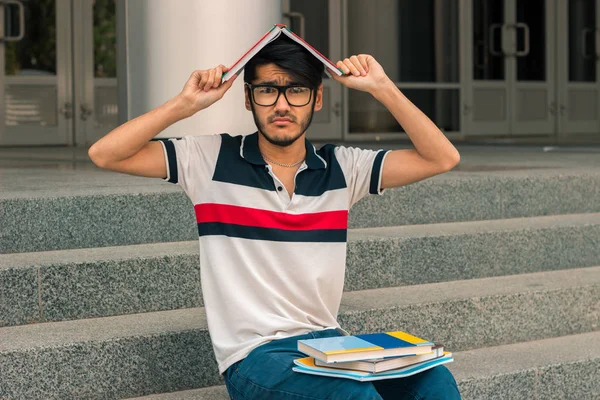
(105, 39)
(37, 50)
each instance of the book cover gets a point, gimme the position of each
(307, 366)
(364, 347)
(384, 364)
(267, 38)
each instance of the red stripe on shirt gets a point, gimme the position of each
(228, 214)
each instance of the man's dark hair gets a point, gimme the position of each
(294, 59)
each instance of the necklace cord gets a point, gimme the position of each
(281, 164)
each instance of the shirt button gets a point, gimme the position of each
(279, 188)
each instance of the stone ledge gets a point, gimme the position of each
(168, 351)
(154, 214)
(99, 282)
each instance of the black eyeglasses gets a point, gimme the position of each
(267, 95)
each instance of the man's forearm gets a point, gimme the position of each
(428, 140)
(127, 139)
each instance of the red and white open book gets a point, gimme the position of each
(273, 34)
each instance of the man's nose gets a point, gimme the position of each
(282, 103)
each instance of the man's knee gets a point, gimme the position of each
(354, 390)
(436, 382)
(440, 373)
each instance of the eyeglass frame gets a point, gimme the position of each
(280, 89)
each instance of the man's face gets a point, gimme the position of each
(281, 124)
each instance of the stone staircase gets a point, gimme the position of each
(100, 290)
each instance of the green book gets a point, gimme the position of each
(307, 366)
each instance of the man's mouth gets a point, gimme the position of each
(282, 121)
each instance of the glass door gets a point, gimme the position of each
(579, 67)
(417, 43)
(319, 23)
(487, 99)
(95, 66)
(534, 68)
(35, 76)
(511, 88)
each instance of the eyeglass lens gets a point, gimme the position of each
(268, 95)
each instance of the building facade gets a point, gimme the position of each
(483, 70)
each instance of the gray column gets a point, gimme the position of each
(162, 42)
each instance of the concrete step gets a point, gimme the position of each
(564, 368)
(482, 312)
(168, 351)
(122, 210)
(86, 283)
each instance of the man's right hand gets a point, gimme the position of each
(204, 88)
(127, 148)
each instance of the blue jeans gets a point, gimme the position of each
(266, 373)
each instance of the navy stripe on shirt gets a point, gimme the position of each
(272, 234)
(376, 172)
(172, 159)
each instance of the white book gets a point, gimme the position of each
(384, 364)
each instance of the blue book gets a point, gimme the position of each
(307, 366)
(364, 347)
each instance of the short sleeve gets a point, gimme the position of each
(190, 160)
(362, 169)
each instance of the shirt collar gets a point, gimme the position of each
(250, 152)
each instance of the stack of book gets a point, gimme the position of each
(370, 357)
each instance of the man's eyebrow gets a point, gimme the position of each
(267, 83)
(294, 83)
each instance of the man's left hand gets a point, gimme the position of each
(362, 72)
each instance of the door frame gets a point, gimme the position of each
(87, 130)
(83, 67)
(548, 126)
(2, 72)
(471, 127)
(567, 129)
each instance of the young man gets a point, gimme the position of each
(272, 215)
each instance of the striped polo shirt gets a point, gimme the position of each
(272, 265)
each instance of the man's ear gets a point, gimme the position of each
(319, 98)
(247, 97)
